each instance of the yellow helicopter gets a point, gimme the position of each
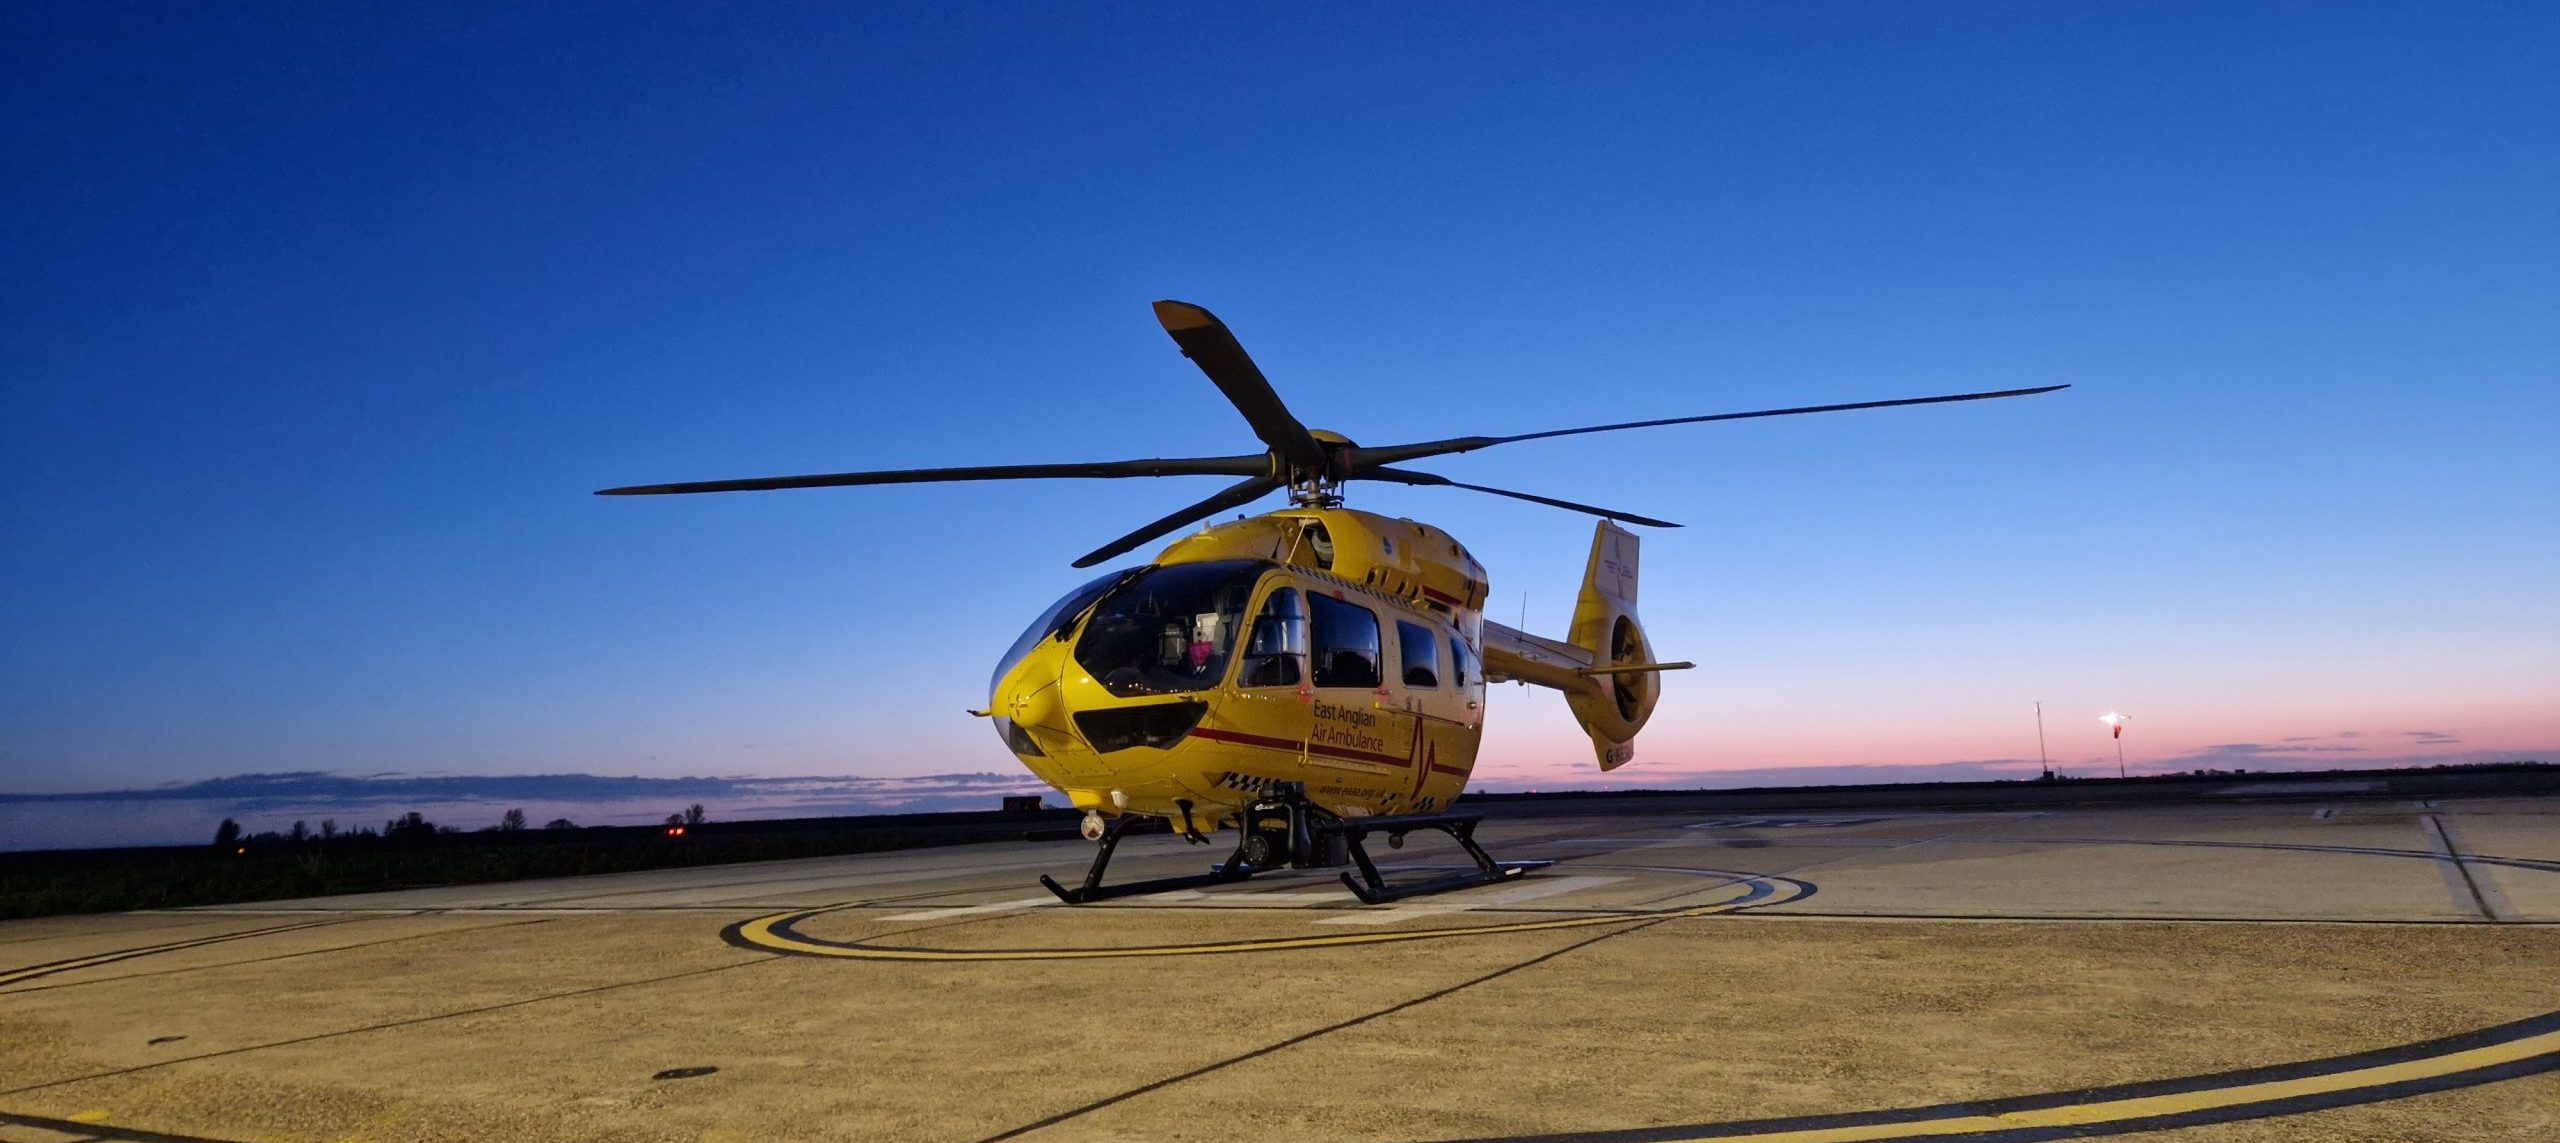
(1309, 676)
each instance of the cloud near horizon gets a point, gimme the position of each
(301, 788)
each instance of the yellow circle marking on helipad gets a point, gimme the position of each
(774, 933)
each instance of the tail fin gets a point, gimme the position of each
(1615, 701)
(1605, 668)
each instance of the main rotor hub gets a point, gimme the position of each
(1322, 489)
(1314, 490)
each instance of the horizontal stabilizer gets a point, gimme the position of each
(1635, 668)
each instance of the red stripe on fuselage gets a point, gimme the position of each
(1267, 743)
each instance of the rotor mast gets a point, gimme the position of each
(1321, 486)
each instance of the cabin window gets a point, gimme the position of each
(1169, 630)
(1275, 651)
(1420, 651)
(1462, 666)
(1346, 643)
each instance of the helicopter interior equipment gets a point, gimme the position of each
(1310, 676)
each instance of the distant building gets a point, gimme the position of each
(1022, 803)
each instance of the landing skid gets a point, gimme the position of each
(1461, 828)
(1302, 835)
(1232, 870)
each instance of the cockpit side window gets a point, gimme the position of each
(1275, 650)
(1420, 651)
(1169, 631)
(1346, 642)
(1462, 665)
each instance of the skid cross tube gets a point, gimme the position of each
(1373, 889)
(1234, 869)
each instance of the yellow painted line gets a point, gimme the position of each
(99, 1116)
(762, 933)
(2155, 1106)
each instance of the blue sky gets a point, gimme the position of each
(317, 326)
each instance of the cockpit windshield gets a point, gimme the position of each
(1169, 630)
(1060, 616)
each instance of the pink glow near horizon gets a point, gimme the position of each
(1554, 752)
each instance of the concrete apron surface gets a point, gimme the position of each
(2359, 970)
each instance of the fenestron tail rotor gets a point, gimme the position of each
(1312, 466)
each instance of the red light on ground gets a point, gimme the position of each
(675, 831)
(243, 851)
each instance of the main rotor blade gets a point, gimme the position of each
(1240, 493)
(1391, 454)
(1205, 340)
(1173, 466)
(1407, 476)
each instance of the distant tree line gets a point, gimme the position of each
(410, 851)
(412, 828)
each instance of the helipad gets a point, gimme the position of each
(2357, 969)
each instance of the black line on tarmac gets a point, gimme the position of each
(2535, 864)
(2182, 1085)
(101, 1131)
(274, 957)
(735, 934)
(187, 942)
(465, 910)
(1303, 1037)
(2443, 837)
(731, 934)
(1834, 859)
(2460, 860)
(898, 901)
(113, 956)
(388, 1024)
(535, 901)
(197, 919)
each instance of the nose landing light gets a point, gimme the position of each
(1035, 707)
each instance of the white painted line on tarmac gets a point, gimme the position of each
(1251, 900)
(1839, 820)
(1015, 905)
(2322, 814)
(1466, 899)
